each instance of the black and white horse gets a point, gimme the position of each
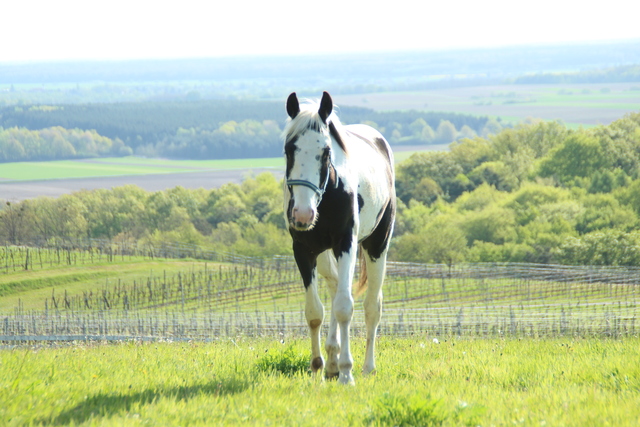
(339, 197)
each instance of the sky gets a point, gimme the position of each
(45, 30)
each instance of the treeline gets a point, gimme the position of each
(139, 123)
(622, 74)
(245, 219)
(56, 143)
(536, 193)
(219, 129)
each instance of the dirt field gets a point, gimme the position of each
(16, 191)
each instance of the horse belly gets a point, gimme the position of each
(374, 203)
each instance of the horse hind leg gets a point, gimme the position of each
(373, 308)
(376, 247)
(328, 268)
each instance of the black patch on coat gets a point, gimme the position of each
(382, 146)
(325, 166)
(333, 230)
(290, 148)
(360, 203)
(378, 241)
(306, 262)
(333, 131)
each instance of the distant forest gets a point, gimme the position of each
(268, 78)
(218, 108)
(205, 129)
(622, 74)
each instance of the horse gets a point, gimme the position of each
(339, 198)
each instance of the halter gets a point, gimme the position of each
(318, 190)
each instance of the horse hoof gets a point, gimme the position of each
(331, 375)
(347, 379)
(317, 364)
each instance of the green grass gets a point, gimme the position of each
(270, 162)
(122, 166)
(32, 171)
(261, 381)
(462, 382)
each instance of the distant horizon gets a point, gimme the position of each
(337, 54)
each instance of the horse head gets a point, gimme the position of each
(308, 153)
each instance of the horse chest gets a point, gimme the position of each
(335, 221)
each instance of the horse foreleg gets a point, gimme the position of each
(328, 268)
(343, 311)
(332, 346)
(314, 312)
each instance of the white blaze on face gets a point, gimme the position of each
(303, 213)
(307, 165)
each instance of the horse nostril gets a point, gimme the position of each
(303, 216)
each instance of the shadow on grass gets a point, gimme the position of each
(109, 404)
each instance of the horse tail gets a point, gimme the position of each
(361, 286)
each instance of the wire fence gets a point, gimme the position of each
(264, 297)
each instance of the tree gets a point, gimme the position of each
(470, 153)
(606, 247)
(445, 243)
(446, 132)
(579, 155)
(494, 173)
(421, 131)
(492, 127)
(603, 211)
(537, 138)
(438, 166)
(12, 222)
(494, 224)
(466, 132)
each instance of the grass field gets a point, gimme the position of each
(576, 105)
(122, 166)
(138, 166)
(453, 349)
(568, 382)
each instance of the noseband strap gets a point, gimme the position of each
(319, 191)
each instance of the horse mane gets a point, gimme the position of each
(308, 118)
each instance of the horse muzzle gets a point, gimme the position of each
(302, 219)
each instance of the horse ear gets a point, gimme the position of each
(293, 107)
(326, 106)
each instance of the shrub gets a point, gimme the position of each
(406, 411)
(288, 362)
